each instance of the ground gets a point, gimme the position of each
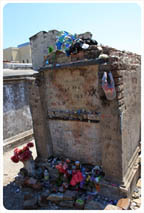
(13, 196)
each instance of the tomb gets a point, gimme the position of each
(73, 118)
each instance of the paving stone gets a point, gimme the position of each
(32, 182)
(93, 205)
(67, 203)
(25, 190)
(124, 203)
(30, 201)
(112, 207)
(42, 198)
(69, 195)
(28, 195)
(55, 197)
(37, 186)
(45, 192)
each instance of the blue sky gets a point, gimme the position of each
(114, 24)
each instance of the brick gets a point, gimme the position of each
(124, 203)
(119, 88)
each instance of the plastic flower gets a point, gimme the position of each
(25, 148)
(25, 155)
(30, 144)
(17, 151)
(15, 159)
(22, 154)
(67, 160)
(60, 168)
(77, 178)
(65, 166)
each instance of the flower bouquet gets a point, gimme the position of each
(25, 156)
(74, 176)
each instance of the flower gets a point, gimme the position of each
(77, 178)
(22, 154)
(30, 144)
(25, 155)
(67, 160)
(25, 148)
(60, 168)
(15, 159)
(17, 151)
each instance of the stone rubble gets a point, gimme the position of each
(52, 193)
(136, 197)
(124, 203)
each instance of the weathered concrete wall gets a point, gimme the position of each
(17, 116)
(80, 122)
(41, 130)
(39, 46)
(16, 112)
(68, 91)
(130, 112)
(126, 72)
(61, 99)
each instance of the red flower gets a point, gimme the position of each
(77, 178)
(30, 144)
(25, 155)
(74, 172)
(16, 151)
(25, 148)
(15, 159)
(22, 154)
(67, 160)
(19, 151)
(65, 166)
(61, 168)
(80, 176)
(73, 182)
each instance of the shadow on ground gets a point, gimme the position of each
(12, 197)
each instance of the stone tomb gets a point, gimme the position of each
(72, 117)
